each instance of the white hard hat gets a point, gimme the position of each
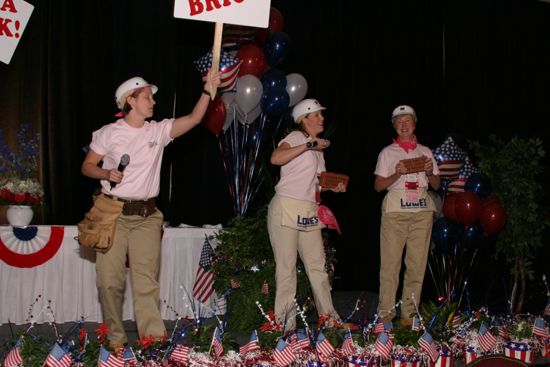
(304, 107)
(403, 110)
(126, 88)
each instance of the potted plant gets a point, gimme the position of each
(20, 189)
(514, 168)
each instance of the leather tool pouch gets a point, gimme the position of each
(97, 229)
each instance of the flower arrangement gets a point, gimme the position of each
(19, 185)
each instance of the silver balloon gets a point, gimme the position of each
(296, 87)
(250, 117)
(228, 99)
(249, 92)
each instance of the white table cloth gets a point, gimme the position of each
(67, 281)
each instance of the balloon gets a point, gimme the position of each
(296, 87)
(229, 68)
(276, 48)
(276, 23)
(228, 99)
(273, 79)
(250, 117)
(275, 102)
(473, 236)
(493, 216)
(253, 60)
(457, 185)
(449, 158)
(444, 234)
(478, 183)
(467, 207)
(214, 118)
(449, 207)
(249, 92)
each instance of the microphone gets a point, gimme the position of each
(124, 160)
(313, 143)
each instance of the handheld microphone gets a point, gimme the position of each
(313, 143)
(124, 160)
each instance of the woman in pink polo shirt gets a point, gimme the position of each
(407, 214)
(293, 224)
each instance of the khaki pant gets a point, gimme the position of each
(287, 243)
(140, 239)
(397, 231)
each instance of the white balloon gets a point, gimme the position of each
(249, 92)
(296, 87)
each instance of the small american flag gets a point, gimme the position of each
(127, 355)
(467, 169)
(229, 69)
(235, 284)
(323, 347)
(379, 327)
(283, 354)
(106, 359)
(502, 332)
(383, 345)
(202, 290)
(265, 288)
(486, 339)
(251, 346)
(58, 357)
(235, 35)
(180, 354)
(347, 346)
(13, 359)
(449, 158)
(216, 345)
(415, 326)
(426, 342)
(539, 328)
(299, 340)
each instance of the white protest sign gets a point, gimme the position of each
(14, 16)
(253, 13)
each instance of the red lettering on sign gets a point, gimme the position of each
(4, 30)
(8, 6)
(209, 4)
(196, 7)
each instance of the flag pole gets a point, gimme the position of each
(216, 49)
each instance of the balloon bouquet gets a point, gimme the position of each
(253, 94)
(469, 214)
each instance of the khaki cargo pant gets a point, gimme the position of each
(140, 239)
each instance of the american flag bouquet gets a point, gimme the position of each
(405, 357)
(480, 342)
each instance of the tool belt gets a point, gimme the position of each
(97, 229)
(143, 208)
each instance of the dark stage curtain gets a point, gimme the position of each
(469, 69)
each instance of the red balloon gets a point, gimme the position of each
(467, 207)
(253, 60)
(449, 207)
(276, 24)
(214, 118)
(493, 217)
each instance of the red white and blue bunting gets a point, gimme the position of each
(31, 246)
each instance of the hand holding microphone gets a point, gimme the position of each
(124, 161)
(325, 143)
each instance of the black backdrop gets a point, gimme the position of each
(469, 69)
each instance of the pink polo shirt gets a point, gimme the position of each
(299, 177)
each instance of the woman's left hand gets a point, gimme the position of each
(339, 188)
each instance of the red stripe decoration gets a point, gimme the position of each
(18, 245)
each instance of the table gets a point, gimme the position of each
(66, 281)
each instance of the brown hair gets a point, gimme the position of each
(127, 108)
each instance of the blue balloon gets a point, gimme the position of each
(479, 183)
(276, 48)
(275, 101)
(473, 236)
(273, 79)
(445, 234)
